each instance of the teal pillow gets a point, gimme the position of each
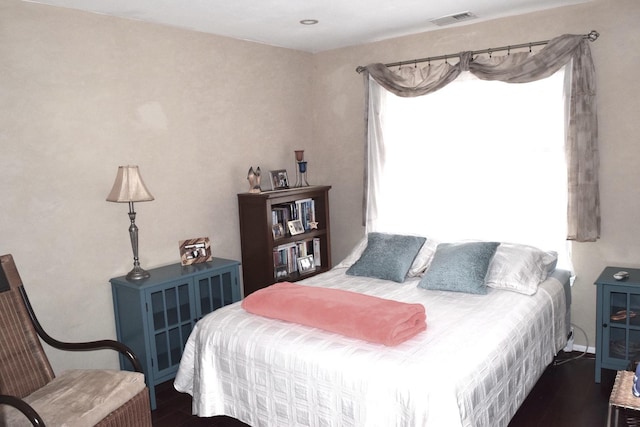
(459, 267)
(387, 256)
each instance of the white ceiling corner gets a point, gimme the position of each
(277, 22)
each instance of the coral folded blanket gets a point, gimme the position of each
(348, 313)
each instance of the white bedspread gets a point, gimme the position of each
(473, 366)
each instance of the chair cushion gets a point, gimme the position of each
(79, 398)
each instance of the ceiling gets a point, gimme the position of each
(277, 22)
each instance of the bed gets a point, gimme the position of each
(474, 365)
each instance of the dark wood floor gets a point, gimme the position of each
(566, 395)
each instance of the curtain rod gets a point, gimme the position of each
(592, 36)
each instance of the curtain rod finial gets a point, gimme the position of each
(593, 35)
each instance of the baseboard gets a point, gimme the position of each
(577, 347)
(571, 346)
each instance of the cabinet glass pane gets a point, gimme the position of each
(175, 345)
(617, 343)
(227, 293)
(617, 310)
(205, 295)
(162, 351)
(185, 307)
(216, 292)
(157, 308)
(634, 345)
(634, 309)
(186, 331)
(171, 299)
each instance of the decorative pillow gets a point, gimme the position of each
(420, 264)
(387, 256)
(520, 268)
(459, 267)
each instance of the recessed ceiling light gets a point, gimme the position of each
(309, 21)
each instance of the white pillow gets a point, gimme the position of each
(419, 265)
(423, 259)
(354, 255)
(519, 268)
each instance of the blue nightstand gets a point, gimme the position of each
(617, 320)
(155, 316)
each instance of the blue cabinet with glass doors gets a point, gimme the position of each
(155, 316)
(617, 320)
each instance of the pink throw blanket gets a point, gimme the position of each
(348, 313)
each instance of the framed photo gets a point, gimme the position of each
(281, 272)
(295, 227)
(194, 251)
(306, 264)
(278, 231)
(279, 179)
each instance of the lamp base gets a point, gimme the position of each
(138, 273)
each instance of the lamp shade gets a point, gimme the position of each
(129, 187)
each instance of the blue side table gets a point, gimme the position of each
(155, 316)
(617, 320)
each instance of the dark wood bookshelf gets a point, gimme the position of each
(257, 238)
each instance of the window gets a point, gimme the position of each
(474, 160)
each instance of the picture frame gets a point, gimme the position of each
(278, 231)
(279, 179)
(195, 251)
(295, 227)
(281, 272)
(306, 264)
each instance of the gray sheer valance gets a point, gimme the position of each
(583, 210)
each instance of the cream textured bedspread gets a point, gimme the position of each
(473, 366)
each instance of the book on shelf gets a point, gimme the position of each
(280, 215)
(286, 256)
(302, 249)
(316, 252)
(303, 209)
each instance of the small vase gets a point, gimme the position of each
(302, 180)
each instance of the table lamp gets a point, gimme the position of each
(129, 188)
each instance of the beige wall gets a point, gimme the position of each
(338, 103)
(83, 93)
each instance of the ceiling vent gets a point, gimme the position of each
(452, 19)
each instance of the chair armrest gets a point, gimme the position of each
(23, 407)
(93, 345)
(80, 346)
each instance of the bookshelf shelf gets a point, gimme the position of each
(263, 262)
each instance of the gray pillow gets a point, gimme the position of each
(459, 267)
(387, 256)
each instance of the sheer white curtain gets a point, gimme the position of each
(474, 160)
(569, 51)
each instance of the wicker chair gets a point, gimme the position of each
(30, 393)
